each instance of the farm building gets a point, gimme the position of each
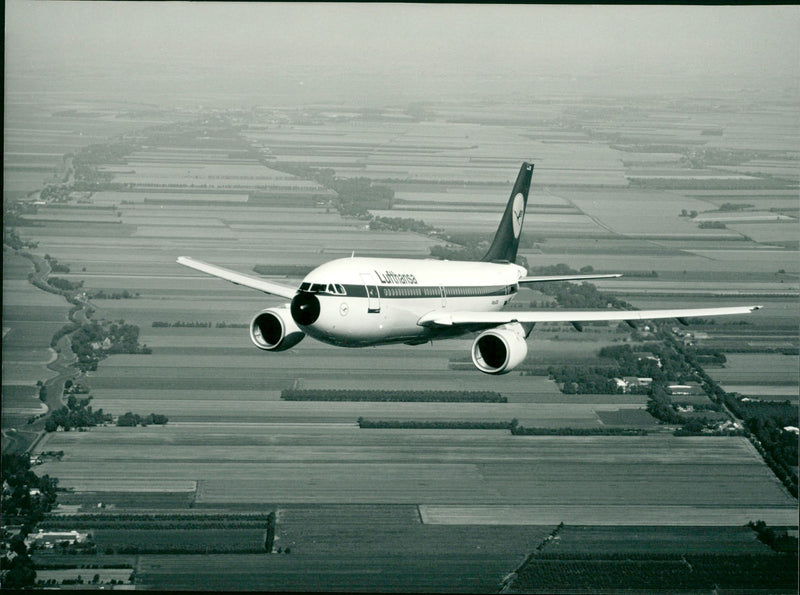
(690, 338)
(637, 381)
(106, 344)
(646, 355)
(628, 382)
(49, 539)
(690, 388)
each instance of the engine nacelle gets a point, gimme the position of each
(274, 329)
(500, 350)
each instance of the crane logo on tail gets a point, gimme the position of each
(518, 212)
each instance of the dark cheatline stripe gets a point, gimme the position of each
(419, 291)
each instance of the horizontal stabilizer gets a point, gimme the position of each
(238, 278)
(547, 278)
(438, 318)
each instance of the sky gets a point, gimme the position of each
(364, 52)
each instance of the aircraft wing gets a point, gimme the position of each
(546, 278)
(238, 278)
(445, 319)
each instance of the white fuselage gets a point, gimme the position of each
(370, 301)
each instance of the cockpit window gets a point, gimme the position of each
(334, 288)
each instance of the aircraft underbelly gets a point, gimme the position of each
(351, 323)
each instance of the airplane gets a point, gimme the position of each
(359, 302)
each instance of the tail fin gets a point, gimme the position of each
(506, 240)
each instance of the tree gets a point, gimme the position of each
(269, 538)
(129, 419)
(693, 427)
(20, 575)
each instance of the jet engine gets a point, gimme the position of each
(274, 330)
(500, 350)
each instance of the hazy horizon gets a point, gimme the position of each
(244, 54)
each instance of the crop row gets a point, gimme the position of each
(512, 426)
(599, 431)
(414, 396)
(141, 548)
(167, 521)
(432, 425)
(78, 523)
(63, 566)
(696, 571)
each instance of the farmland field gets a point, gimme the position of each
(30, 318)
(606, 520)
(766, 376)
(648, 538)
(392, 509)
(337, 462)
(747, 368)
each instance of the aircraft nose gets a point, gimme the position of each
(305, 308)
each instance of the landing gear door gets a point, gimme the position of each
(373, 297)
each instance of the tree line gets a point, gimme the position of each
(778, 539)
(197, 324)
(512, 426)
(55, 266)
(400, 224)
(473, 246)
(77, 413)
(64, 284)
(766, 421)
(113, 295)
(355, 195)
(129, 419)
(26, 499)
